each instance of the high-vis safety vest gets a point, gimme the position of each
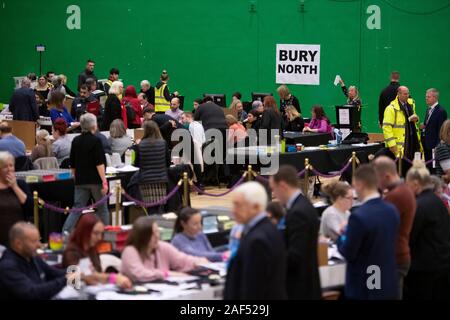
(394, 125)
(161, 104)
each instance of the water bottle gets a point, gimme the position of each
(283, 145)
(338, 134)
(128, 157)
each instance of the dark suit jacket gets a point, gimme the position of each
(302, 230)
(386, 97)
(433, 127)
(257, 271)
(430, 235)
(371, 239)
(23, 105)
(165, 127)
(211, 116)
(28, 280)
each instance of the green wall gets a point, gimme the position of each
(220, 46)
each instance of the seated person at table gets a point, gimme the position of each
(295, 121)
(60, 111)
(16, 200)
(190, 239)
(42, 105)
(24, 275)
(146, 258)
(43, 148)
(335, 217)
(82, 244)
(276, 212)
(237, 110)
(62, 144)
(236, 131)
(254, 119)
(9, 142)
(351, 93)
(118, 138)
(79, 104)
(319, 122)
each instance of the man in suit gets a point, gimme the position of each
(167, 125)
(369, 242)
(302, 230)
(434, 118)
(388, 95)
(211, 117)
(23, 103)
(257, 270)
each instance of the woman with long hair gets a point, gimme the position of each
(319, 121)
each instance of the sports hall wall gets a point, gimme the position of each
(222, 46)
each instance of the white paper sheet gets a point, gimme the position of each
(337, 79)
(344, 116)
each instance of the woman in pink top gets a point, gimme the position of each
(146, 258)
(319, 122)
(236, 131)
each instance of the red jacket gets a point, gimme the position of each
(131, 97)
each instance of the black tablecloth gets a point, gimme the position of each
(324, 161)
(328, 160)
(307, 139)
(61, 194)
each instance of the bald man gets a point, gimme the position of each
(174, 110)
(24, 275)
(404, 200)
(400, 126)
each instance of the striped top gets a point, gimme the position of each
(442, 156)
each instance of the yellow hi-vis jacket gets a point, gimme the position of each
(161, 104)
(394, 123)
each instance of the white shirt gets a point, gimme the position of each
(431, 109)
(197, 132)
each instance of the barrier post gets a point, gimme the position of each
(118, 202)
(353, 164)
(249, 173)
(185, 189)
(36, 209)
(306, 186)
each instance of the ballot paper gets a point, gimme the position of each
(337, 79)
(181, 279)
(127, 168)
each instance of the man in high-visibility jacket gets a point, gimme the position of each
(162, 94)
(113, 76)
(400, 125)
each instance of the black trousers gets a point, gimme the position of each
(427, 285)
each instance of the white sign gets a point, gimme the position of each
(298, 64)
(344, 116)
